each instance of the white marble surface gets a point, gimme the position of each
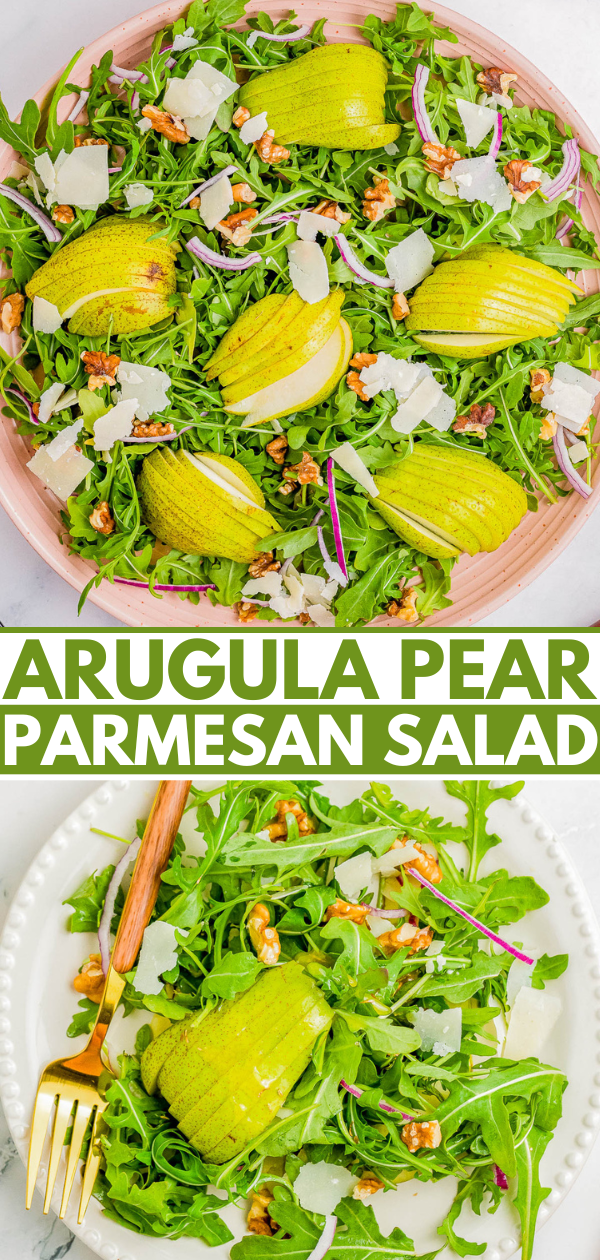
(562, 39)
(31, 812)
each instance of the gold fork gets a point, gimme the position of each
(73, 1083)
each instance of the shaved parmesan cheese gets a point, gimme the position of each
(417, 406)
(215, 202)
(533, 1017)
(144, 125)
(391, 149)
(448, 188)
(63, 440)
(499, 99)
(378, 925)
(571, 403)
(48, 401)
(354, 875)
(390, 861)
(569, 375)
(221, 88)
(309, 224)
(442, 413)
(158, 954)
(308, 270)
(253, 128)
(519, 975)
(122, 1032)
(349, 459)
(440, 1031)
(268, 584)
(188, 97)
(321, 616)
(389, 373)
(321, 1186)
(477, 179)
(410, 261)
(477, 120)
(67, 400)
(45, 170)
(187, 40)
(82, 177)
(436, 957)
(578, 452)
(115, 424)
(46, 316)
(148, 385)
(63, 475)
(138, 195)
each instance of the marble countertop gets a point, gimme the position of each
(562, 39)
(571, 808)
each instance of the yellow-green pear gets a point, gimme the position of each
(112, 278)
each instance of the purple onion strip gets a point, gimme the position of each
(213, 259)
(569, 223)
(335, 519)
(357, 1093)
(563, 460)
(325, 1242)
(496, 138)
(569, 171)
(300, 33)
(210, 586)
(359, 269)
(511, 949)
(109, 903)
(214, 179)
(500, 1178)
(422, 120)
(385, 914)
(49, 228)
(23, 397)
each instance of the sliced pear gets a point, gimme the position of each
(463, 345)
(302, 339)
(418, 532)
(504, 303)
(522, 262)
(306, 387)
(260, 318)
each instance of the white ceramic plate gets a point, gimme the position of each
(38, 958)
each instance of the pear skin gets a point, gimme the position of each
(305, 337)
(263, 341)
(260, 318)
(301, 389)
(463, 345)
(196, 527)
(419, 536)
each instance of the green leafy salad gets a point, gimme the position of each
(319, 1007)
(299, 319)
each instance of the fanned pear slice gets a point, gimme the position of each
(507, 279)
(471, 465)
(259, 318)
(514, 259)
(263, 340)
(463, 345)
(303, 338)
(419, 533)
(467, 504)
(374, 136)
(306, 387)
(448, 293)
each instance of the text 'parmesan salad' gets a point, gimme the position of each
(324, 1006)
(301, 322)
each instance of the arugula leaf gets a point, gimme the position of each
(548, 967)
(461, 1246)
(463, 984)
(530, 1194)
(88, 901)
(233, 974)
(382, 1034)
(21, 135)
(316, 1097)
(478, 796)
(362, 1237)
(247, 850)
(83, 1021)
(358, 953)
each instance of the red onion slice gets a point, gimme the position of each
(359, 269)
(385, 914)
(500, 1178)
(568, 172)
(109, 903)
(214, 179)
(133, 75)
(325, 1241)
(49, 228)
(76, 110)
(213, 259)
(511, 949)
(335, 519)
(424, 126)
(210, 586)
(563, 460)
(567, 224)
(392, 1111)
(19, 394)
(496, 138)
(300, 33)
(332, 569)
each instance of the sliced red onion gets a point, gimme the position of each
(568, 223)
(214, 179)
(299, 33)
(500, 1178)
(49, 228)
(496, 138)
(170, 62)
(359, 269)
(424, 126)
(563, 460)
(210, 586)
(317, 518)
(135, 103)
(568, 172)
(109, 903)
(133, 75)
(167, 437)
(335, 519)
(385, 914)
(23, 397)
(113, 170)
(357, 1093)
(284, 217)
(511, 949)
(325, 1241)
(76, 110)
(332, 568)
(213, 259)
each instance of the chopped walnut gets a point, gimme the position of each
(522, 189)
(101, 519)
(549, 427)
(496, 80)
(243, 193)
(378, 200)
(305, 473)
(258, 1220)
(363, 359)
(409, 934)
(369, 1184)
(426, 864)
(354, 382)
(85, 141)
(100, 367)
(400, 307)
(169, 125)
(277, 448)
(236, 227)
(194, 203)
(265, 939)
(331, 210)
(270, 152)
(245, 610)
(304, 619)
(405, 609)
(477, 421)
(90, 980)
(277, 829)
(264, 564)
(152, 428)
(420, 1134)
(63, 214)
(440, 158)
(346, 910)
(11, 312)
(240, 116)
(538, 378)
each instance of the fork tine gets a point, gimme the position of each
(80, 1124)
(61, 1124)
(92, 1165)
(39, 1125)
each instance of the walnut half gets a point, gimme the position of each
(418, 1135)
(265, 939)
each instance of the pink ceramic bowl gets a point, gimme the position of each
(479, 584)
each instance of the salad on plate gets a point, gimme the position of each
(300, 322)
(323, 1008)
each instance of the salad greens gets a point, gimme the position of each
(208, 301)
(370, 1075)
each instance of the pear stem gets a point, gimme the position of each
(533, 473)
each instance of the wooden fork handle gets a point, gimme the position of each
(158, 841)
